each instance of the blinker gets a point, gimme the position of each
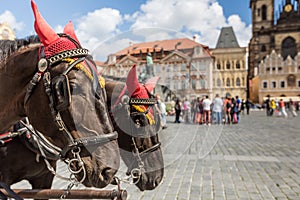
(61, 92)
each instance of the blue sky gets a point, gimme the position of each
(98, 21)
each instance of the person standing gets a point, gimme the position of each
(238, 107)
(292, 108)
(272, 107)
(217, 109)
(177, 111)
(282, 108)
(206, 108)
(162, 111)
(248, 104)
(186, 110)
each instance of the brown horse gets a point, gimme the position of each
(135, 119)
(145, 164)
(56, 86)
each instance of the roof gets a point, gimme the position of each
(227, 38)
(166, 45)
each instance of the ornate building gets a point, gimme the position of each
(6, 33)
(230, 66)
(278, 78)
(184, 66)
(272, 31)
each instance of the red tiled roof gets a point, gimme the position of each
(167, 45)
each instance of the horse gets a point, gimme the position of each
(140, 150)
(132, 108)
(54, 83)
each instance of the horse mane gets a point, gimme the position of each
(7, 47)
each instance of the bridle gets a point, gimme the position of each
(58, 92)
(136, 109)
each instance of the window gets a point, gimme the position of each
(289, 47)
(264, 12)
(228, 82)
(238, 82)
(194, 83)
(228, 65)
(218, 66)
(282, 84)
(202, 84)
(219, 82)
(202, 66)
(175, 85)
(183, 67)
(183, 84)
(274, 84)
(298, 83)
(263, 48)
(238, 65)
(265, 84)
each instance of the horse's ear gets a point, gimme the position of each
(42, 28)
(132, 82)
(69, 30)
(151, 83)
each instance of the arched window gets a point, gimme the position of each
(227, 65)
(264, 12)
(218, 82)
(228, 82)
(218, 66)
(288, 47)
(238, 65)
(238, 81)
(263, 48)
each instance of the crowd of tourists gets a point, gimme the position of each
(206, 111)
(279, 108)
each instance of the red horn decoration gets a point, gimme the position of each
(132, 82)
(42, 28)
(69, 29)
(151, 83)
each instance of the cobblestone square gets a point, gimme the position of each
(259, 158)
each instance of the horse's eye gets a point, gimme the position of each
(75, 88)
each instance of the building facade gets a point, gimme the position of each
(230, 66)
(6, 33)
(279, 78)
(183, 65)
(272, 31)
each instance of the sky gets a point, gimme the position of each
(107, 26)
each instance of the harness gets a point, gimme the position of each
(58, 92)
(138, 107)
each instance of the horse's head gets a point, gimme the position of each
(137, 122)
(66, 102)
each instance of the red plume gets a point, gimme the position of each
(151, 83)
(132, 82)
(42, 28)
(69, 29)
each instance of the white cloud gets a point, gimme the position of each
(203, 18)
(97, 26)
(8, 17)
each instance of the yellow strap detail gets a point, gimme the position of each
(148, 115)
(85, 71)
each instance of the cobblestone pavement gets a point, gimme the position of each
(259, 158)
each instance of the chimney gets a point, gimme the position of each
(194, 38)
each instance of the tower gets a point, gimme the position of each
(272, 33)
(261, 42)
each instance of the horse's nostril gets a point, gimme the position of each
(108, 173)
(156, 181)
